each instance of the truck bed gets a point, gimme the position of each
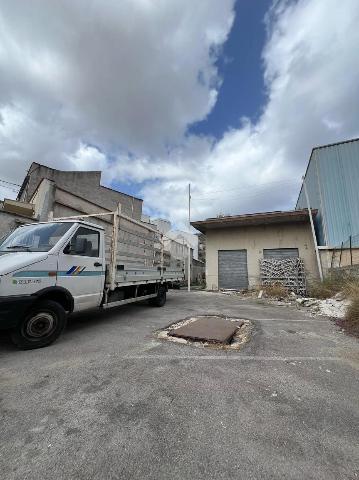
(139, 275)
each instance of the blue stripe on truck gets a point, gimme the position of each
(39, 273)
(84, 273)
(32, 273)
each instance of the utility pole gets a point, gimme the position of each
(313, 231)
(189, 246)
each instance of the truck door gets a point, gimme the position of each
(80, 268)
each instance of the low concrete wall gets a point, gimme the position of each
(345, 272)
(332, 258)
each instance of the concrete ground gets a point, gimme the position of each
(109, 401)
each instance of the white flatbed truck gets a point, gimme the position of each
(51, 269)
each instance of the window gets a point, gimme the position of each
(34, 238)
(85, 242)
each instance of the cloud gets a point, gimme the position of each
(312, 82)
(129, 75)
(116, 85)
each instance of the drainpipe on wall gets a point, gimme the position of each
(313, 231)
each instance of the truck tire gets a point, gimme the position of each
(160, 300)
(40, 326)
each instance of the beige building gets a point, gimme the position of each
(236, 244)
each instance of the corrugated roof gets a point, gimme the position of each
(263, 218)
(336, 143)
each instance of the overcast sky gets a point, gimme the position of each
(230, 96)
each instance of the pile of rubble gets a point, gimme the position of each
(239, 293)
(330, 307)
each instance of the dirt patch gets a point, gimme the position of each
(350, 323)
(241, 330)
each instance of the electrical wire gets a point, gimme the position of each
(9, 183)
(9, 188)
(267, 184)
(255, 192)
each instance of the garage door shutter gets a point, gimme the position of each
(280, 253)
(232, 269)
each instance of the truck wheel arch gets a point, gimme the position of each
(57, 294)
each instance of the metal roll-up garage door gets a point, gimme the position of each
(280, 253)
(232, 269)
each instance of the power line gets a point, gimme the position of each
(9, 183)
(253, 193)
(8, 186)
(9, 189)
(267, 184)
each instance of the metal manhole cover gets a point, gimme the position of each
(208, 329)
(216, 331)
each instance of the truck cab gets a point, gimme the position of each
(55, 267)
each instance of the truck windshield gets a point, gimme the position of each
(34, 238)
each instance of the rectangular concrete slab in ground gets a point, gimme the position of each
(213, 329)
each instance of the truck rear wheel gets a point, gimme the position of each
(160, 300)
(42, 325)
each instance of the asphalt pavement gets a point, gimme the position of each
(110, 401)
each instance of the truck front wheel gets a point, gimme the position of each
(42, 325)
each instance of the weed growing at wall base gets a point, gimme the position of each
(350, 323)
